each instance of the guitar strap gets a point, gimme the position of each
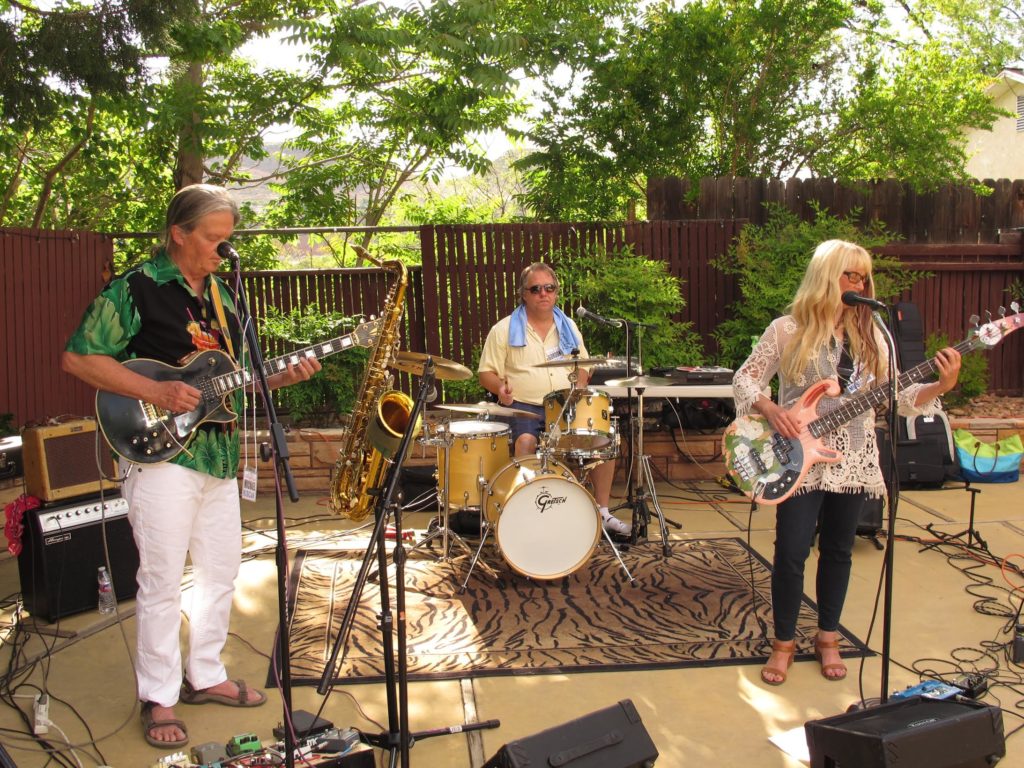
(219, 307)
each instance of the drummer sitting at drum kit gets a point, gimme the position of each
(533, 361)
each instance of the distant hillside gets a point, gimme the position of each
(260, 194)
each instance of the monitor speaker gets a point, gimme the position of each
(60, 461)
(909, 733)
(62, 550)
(613, 737)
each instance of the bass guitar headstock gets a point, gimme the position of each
(996, 329)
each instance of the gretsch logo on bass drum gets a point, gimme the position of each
(545, 500)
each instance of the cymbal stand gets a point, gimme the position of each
(642, 498)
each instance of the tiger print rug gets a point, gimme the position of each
(695, 607)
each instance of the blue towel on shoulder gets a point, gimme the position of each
(567, 338)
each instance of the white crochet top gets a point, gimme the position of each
(859, 470)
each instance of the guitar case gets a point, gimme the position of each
(924, 444)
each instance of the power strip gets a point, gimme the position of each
(41, 708)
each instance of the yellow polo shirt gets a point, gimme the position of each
(518, 364)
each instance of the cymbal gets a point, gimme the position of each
(636, 382)
(563, 362)
(415, 362)
(491, 409)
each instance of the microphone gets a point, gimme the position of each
(226, 251)
(583, 313)
(852, 299)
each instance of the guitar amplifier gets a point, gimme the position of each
(60, 461)
(62, 549)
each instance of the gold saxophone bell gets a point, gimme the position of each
(385, 432)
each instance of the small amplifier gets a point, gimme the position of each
(60, 461)
(62, 549)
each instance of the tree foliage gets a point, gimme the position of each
(389, 94)
(773, 88)
(769, 262)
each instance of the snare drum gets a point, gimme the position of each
(547, 525)
(478, 450)
(585, 425)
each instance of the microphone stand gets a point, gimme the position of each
(397, 739)
(894, 492)
(277, 451)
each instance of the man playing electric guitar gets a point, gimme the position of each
(805, 348)
(167, 309)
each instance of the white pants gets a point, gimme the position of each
(176, 511)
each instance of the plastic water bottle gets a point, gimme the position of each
(106, 591)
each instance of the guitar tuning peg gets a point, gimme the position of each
(1001, 311)
(974, 320)
(988, 316)
(1015, 306)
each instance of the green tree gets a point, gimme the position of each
(733, 87)
(769, 262)
(390, 95)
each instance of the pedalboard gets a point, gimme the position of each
(929, 689)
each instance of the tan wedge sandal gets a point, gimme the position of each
(786, 647)
(838, 669)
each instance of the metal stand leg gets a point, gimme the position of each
(615, 551)
(970, 532)
(645, 488)
(485, 531)
(645, 492)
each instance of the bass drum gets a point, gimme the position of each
(546, 524)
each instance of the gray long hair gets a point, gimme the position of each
(192, 203)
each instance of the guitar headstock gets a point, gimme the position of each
(996, 329)
(365, 335)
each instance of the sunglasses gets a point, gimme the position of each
(856, 277)
(547, 288)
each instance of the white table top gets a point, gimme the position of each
(673, 390)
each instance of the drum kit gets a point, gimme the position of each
(546, 524)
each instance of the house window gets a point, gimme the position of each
(1020, 113)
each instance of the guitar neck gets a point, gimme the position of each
(880, 394)
(239, 378)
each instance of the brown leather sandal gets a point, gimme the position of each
(787, 647)
(836, 667)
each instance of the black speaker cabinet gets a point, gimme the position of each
(62, 550)
(60, 461)
(613, 737)
(909, 733)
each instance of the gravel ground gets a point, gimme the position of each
(990, 407)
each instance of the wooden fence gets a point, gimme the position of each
(951, 214)
(466, 283)
(49, 277)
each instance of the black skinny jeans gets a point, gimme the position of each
(795, 523)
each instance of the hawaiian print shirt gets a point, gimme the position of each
(151, 312)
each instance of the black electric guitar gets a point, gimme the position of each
(144, 433)
(769, 468)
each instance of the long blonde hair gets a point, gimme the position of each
(817, 302)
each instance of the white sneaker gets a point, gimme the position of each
(612, 524)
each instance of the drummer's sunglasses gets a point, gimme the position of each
(547, 288)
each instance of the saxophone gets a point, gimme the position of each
(380, 418)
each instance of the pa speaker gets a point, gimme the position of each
(62, 550)
(613, 737)
(60, 461)
(909, 733)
